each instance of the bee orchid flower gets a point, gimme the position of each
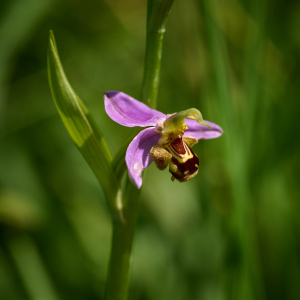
(166, 139)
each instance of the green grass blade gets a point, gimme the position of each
(82, 128)
(242, 222)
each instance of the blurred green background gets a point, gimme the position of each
(230, 233)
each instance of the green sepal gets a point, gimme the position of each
(176, 121)
(83, 130)
(176, 125)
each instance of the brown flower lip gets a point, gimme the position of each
(185, 169)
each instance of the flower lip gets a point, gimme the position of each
(183, 162)
(178, 146)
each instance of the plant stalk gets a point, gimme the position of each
(117, 284)
(152, 68)
(157, 16)
(123, 233)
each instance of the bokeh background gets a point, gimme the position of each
(230, 233)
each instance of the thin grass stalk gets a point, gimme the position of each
(246, 282)
(32, 272)
(252, 77)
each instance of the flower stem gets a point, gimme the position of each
(117, 284)
(157, 15)
(123, 232)
(152, 61)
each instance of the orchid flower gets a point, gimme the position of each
(166, 139)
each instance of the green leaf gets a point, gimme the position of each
(83, 129)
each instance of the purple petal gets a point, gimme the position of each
(138, 154)
(202, 132)
(129, 112)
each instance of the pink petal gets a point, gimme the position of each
(129, 112)
(202, 132)
(138, 154)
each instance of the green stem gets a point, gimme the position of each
(157, 15)
(117, 284)
(152, 67)
(123, 233)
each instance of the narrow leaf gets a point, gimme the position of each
(82, 128)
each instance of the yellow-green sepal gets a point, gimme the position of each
(176, 121)
(176, 125)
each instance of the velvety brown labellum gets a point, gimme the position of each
(178, 146)
(185, 169)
